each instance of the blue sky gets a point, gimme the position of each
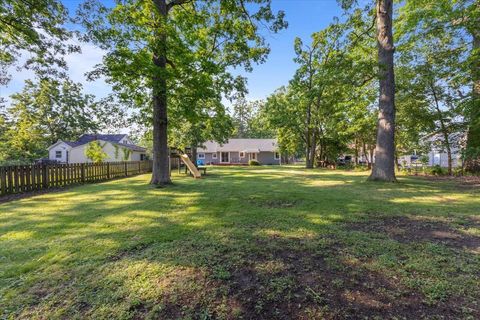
(304, 18)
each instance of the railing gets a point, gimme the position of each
(18, 179)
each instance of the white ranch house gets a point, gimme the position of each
(118, 147)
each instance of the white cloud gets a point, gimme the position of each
(78, 64)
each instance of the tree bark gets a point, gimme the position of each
(194, 154)
(313, 149)
(308, 157)
(356, 151)
(384, 168)
(372, 150)
(160, 169)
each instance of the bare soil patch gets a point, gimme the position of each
(468, 182)
(408, 230)
(293, 279)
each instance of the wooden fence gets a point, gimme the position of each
(18, 179)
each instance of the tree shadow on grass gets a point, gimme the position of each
(257, 244)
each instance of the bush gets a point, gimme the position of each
(253, 163)
(436, 170)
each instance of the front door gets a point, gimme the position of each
(253, 156)
(225, 157)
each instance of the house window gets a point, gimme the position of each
(277, 155)
(201, 156)
(242, 154)
(214, 155)
(58, 154)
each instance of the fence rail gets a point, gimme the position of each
(18, 179)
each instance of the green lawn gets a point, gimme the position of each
(251, 243)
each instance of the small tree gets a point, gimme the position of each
(94, 152)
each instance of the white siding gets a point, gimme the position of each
(77, 155)
(61, 147)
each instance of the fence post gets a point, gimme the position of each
(45, 176)
(139, 167)
(82, 172)
(126, 171)
(108, 170)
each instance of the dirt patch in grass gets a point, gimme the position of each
(410, 230)
(465, 182)
(295, 279)
(273, 203)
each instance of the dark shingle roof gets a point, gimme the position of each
(131, 147)
(72, 143)
(112, 138)
(86, 138)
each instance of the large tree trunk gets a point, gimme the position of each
(356, 151)
(384, 169)
(194, 154)
(308, 153)
(473, 139)
(160, 170)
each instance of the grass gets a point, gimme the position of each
(251, 243)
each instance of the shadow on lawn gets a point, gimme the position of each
(252, 244)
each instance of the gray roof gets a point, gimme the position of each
(131, 147)
(86, 138)
(241, 145)
(112, 138)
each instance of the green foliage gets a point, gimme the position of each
(424, 160)
(253, 163)
(117, 151)
(250, 120)
(437, 170)
(126, 153)
(211, 123)
(199, 41)
(47, 111)
(329, 100)
(451, 35)
(94, 152)
(37, 27)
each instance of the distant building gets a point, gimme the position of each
(437, 154)
(118, 147)
(239, 151)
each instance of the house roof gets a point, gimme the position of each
(86, 138)
(241, 145)
(112, 138)
(131, 147)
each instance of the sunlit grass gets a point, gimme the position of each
(123, 249)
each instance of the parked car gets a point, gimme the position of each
(46, 161)
(344, 161)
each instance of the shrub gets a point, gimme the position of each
(94, 152)
(436, 170)
(253, 163)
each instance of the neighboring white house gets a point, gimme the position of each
(118, 147)
(438, 155)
